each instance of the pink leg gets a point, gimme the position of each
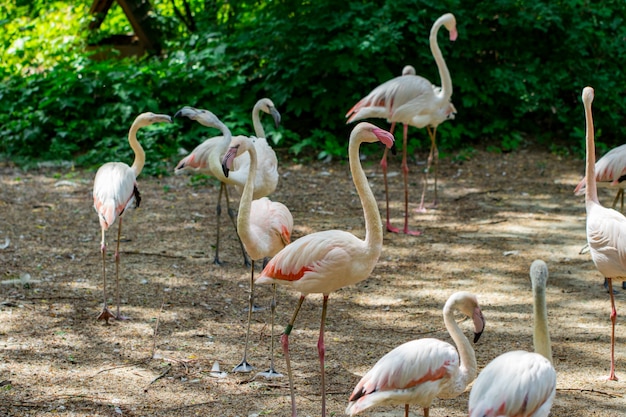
(244, 366)
(434, 153)
(117, 273)
(105, 314)
(612, 376)
(405, 174)
(321, 351)
(284, 340)
(383, 165)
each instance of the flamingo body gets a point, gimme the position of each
(520, 383)
(114, 191)
(606, 228)
(610, 173)
(325, 261)
(421, 370)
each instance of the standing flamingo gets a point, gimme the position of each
(606, 228)
(324, 262)
(418, 371)
(264, 228)
(520, 383)
(114, 191)
(207, 158)
(412, 100)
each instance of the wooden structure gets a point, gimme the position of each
(137, 12)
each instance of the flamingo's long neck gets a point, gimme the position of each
(541, 337)
(245, 202)
(468, 364)
(216, 157)
(591, 191)
(140, 155)
(444, 74)
(373, 223)
(256, 121)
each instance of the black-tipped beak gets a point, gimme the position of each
(185, 112)
(276, 116)
(477, 336)
(225, 170)
(394, 150)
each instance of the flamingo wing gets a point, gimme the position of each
(412, 373)
(271, 225)
(321, 262)
(515, 384)
(606, 234)
(115, 189)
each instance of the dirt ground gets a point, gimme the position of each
(497, 213)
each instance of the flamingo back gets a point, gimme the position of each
(113, 191)
(515, 384)
(321, 263)
(413, 373)
(271, 224)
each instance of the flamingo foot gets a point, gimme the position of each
(271, 374)
(421, 209)
(244, 367)
(106, 315)
(412, 232)
(120, 317)
(392, 229)
(216, 261)
(612, 377)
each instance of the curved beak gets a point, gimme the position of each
(276, 116)
(187, 111)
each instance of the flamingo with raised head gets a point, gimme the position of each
(412, 100)
(421, 370)
(520, 383)
(207, 158)
(324, 262)
(114, 191)
(264, 227)
(606, 228)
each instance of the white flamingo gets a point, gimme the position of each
(412, 100)
(324, 262)
(421, 370)
(207, 158)
(520, 383)
(264, 227)
(606, 228)
(114, 191)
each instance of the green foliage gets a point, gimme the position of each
(518, 69)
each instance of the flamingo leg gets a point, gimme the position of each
(383, 164)
(426, 411)
(244, 366)
(405, 174)
(321, 351)
(105, 314)
(434, 153)
(118, 316)
(271, 373)
(233, 219)
(284, 339)
(612, 376)
(218, 213)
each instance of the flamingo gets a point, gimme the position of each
(324, 262)
(520, 383)
(606, 228)
(114, 191)
(610, 173)
(412, 100)
(264, 228)
(418, 371)
(207, 158)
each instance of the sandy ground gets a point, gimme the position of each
(497, 213)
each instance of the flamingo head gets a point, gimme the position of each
(204, 117)
(148, 118)
(449, 21)
(467, 303)
(238, 145)
(267, 106)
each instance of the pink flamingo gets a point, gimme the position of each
(412, 100)
(520, 383)
(207, 158)
(606, 228)
(418, 371)
(114, 191)
(326, 261)
(610, 173)
(264, 228)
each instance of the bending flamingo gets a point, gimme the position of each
(324, 262)
(412, 100)
(264, 227)
(114, 191)
(606, 228)
(207, 158)
(519, 383)
(418, 371)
